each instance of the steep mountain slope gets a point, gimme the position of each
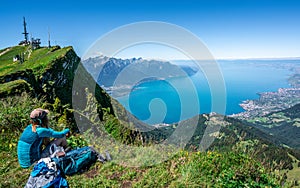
(283, 125)
(232, 134)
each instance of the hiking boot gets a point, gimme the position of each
(101, 158)
(108, 157)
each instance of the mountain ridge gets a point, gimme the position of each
(106, 69)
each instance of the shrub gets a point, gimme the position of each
(14, 117)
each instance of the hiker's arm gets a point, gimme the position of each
(44, 132)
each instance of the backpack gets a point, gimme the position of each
(76, 160)
(46, 175)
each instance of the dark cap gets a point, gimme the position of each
(38, 113)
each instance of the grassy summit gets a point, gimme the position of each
(45, 72)
(37, 60)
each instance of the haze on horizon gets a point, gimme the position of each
(230, 29)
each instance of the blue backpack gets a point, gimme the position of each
(45, 174)
(76, 160)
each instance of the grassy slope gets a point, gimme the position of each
(36, 60)
(294, 173)
(282, 124)
(12, 85)
(184, 169)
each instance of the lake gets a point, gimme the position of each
(158, 101)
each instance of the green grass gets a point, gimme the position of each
(293, 174)
(13, 86)
(11, 174)
(2, 50)
(185, 169)
(181, 169)
(37, 60)
(6, 60)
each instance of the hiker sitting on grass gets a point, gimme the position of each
(31, 140)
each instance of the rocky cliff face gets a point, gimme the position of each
(57, 79)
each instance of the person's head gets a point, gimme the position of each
(39, 117)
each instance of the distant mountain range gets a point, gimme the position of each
(106, 70)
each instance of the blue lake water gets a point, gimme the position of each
(172, 100)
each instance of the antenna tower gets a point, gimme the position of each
(49, 45)
(25, 31)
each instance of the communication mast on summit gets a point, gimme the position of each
(25, 31)
(35, 42)
(49, 45)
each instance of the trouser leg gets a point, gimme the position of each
(58, 142)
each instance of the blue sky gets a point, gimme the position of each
(230, 29)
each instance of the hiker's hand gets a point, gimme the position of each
(66, 131)
(68, 134)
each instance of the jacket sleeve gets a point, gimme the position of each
(48, 132)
